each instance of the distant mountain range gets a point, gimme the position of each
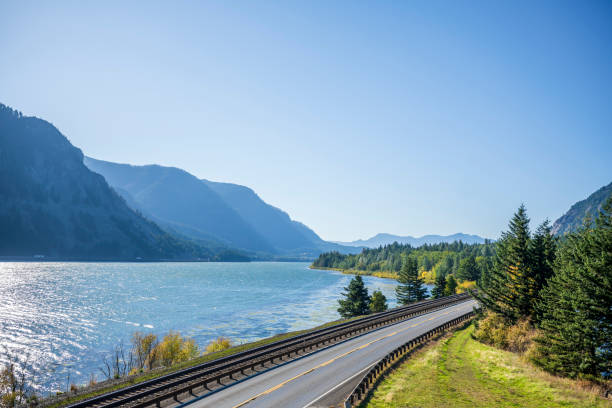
(57, 204)
(574, 217)
(224, 213)
(386, 239)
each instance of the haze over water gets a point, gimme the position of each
(63, 317)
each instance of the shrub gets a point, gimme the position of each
(519, 337)
(493, 329)
(220, 344)
(12, 385)
(175, 349)
(465, 286)
(142, 350)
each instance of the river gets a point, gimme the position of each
(64, 317)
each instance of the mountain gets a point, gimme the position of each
(201, 209)
(180, 201)
(52, 205)
(386, 239)
(288, 236)
(575, 216)
(272, 223)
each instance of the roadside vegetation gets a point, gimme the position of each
(543, 337)
(460, 371)
(558, 293)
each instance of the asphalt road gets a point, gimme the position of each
(324, 378)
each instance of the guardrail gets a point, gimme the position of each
(184, 382)
(368, 381)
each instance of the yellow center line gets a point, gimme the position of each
(276, 387)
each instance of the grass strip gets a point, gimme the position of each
(459, 371)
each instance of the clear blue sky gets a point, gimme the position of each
(409, 117)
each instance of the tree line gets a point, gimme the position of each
(560, 288)
(467, 262)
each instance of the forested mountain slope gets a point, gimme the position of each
(51, 204)
(575, 216)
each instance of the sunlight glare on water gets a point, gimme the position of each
(64, 317)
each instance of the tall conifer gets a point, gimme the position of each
(451, 286)
(438, 290)
(356, 301)
(576, 307)
(468, 270)
(411, 287)
(510, 285)
(543, 252)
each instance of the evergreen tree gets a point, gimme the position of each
(356, 301)
(378, 302)
(576, 307)
(440, 284)
(410, 288)
(451, 286)
(510, 286)
(468, 270)
(543, 252)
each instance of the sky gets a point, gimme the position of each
(355, 117)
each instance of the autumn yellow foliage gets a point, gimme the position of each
(465, 286)
(219, 344)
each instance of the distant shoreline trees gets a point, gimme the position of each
(468, 263)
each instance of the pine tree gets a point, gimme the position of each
(451, 286)
(543, 251)
(484, 264)
(576, 307)
(378, 302)
(510, 285)
(356, 301)
(467, 271)
(410, 288)
(440, 284)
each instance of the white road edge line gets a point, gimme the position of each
(341, 384)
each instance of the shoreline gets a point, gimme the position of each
(379, 274)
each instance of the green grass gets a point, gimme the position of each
(202, 359)
(461, 372)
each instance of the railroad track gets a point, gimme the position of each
(208, 377)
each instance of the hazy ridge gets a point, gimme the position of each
(383, 239)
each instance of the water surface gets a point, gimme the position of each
(64, 317)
